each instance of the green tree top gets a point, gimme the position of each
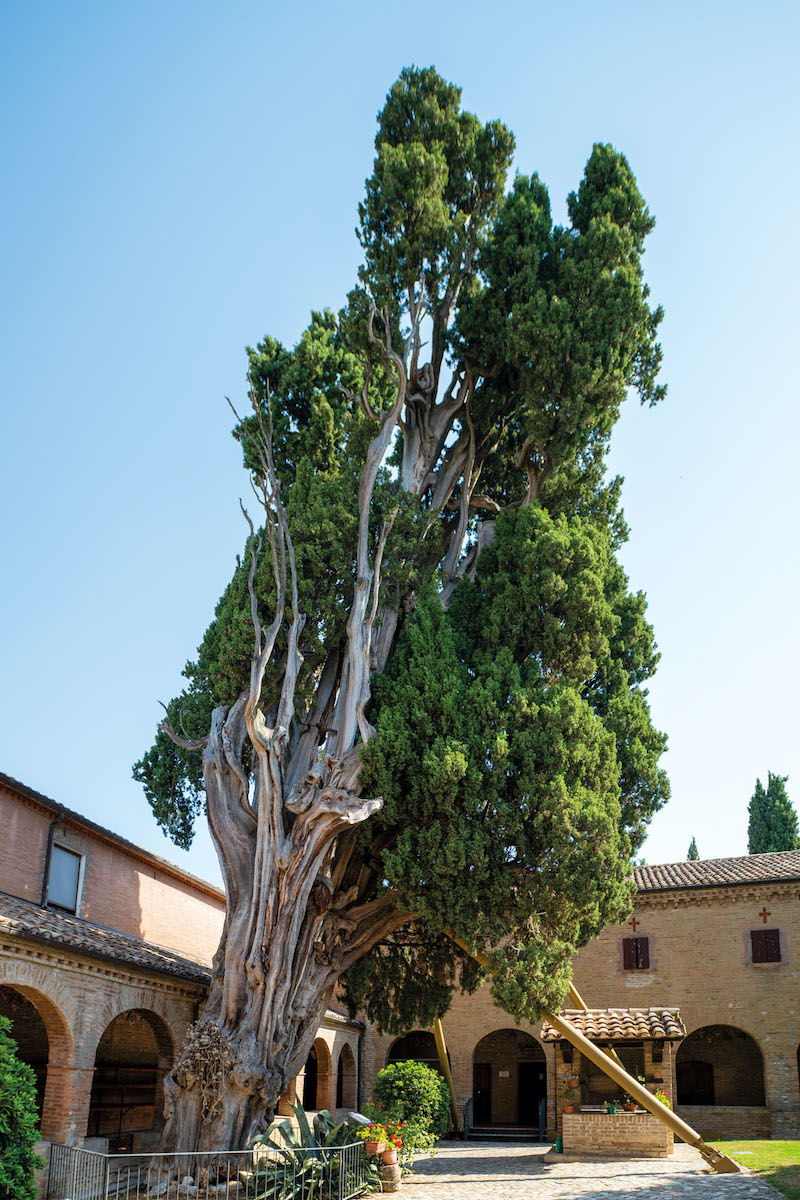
(772, 821)
(693, 853)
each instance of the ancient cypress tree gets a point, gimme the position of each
(772, 823)
(421, 704)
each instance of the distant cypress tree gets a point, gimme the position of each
(773, 820)
(693, 853)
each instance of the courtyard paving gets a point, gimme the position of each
(489, 1171)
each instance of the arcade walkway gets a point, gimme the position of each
(490, 1171)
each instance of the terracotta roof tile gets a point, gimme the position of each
(717, 872)
(23, 919)
(621, 1024)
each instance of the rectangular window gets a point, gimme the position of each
(63, 880)
(636, 953)
(766, 945)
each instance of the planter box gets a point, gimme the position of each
(617, 1135)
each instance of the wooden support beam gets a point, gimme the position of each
(444, 1063)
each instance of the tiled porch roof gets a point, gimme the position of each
(621, 1024)
(20, 918)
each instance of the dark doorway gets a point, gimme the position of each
(695, 1083)
(310, 1081)
(532, 1079)
(29, 1032)
(482, 1093)
(720, 1065)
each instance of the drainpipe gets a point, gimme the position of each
(48, 855)
(359, 1060)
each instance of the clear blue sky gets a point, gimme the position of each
(181, 178)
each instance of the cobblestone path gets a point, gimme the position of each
(491, 1171)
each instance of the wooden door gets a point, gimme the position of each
(531, 1090)
(482, 1093)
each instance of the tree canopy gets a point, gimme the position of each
(693, 853)
(772, 821)
(439, 566)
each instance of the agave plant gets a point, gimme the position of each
(301, 1166)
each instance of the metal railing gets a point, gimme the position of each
(467, 1118)
(338, 1173)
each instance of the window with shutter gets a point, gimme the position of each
(766, 944)
(635, 953)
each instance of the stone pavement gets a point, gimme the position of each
(494, 1171)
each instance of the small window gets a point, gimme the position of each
(766, 945)
(636, 953)
(62, 883)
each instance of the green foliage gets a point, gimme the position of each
(512, 736)
(415, 1094)
(693, 853)
(18, 1121)
(772, 822)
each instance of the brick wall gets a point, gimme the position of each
(623, 1135)
(119, 889)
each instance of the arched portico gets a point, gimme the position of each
(346, 1078)
(509, 1078)
(45, 1043)
(418, 1046)
(720, 1065)
(126, 1105)
(314, 1081)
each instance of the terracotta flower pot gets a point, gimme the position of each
(389, 1156)
(570, 1108)
(375, 1147)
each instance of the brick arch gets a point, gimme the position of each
(346, 1078)
(418, 1045)
(56, 1005)
(720, 1064)
(509, 1077)
(60, 1079)
(131, 1057)
(150, 1006)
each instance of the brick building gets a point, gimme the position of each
(104, 962)
(718, 940)
(105, 952)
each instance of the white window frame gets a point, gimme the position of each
(79, 887)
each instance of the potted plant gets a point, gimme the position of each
(393, 1144)
(569, 1096)
(611, 1107)
(628, 1104)
(375, 1137)
(661, 1095)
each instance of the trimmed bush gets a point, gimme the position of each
(410, 1091)
(19, 1131)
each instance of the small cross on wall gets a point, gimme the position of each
(765, 914)
(634, 924)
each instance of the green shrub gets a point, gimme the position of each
(18, 1121)
(411, 1092)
